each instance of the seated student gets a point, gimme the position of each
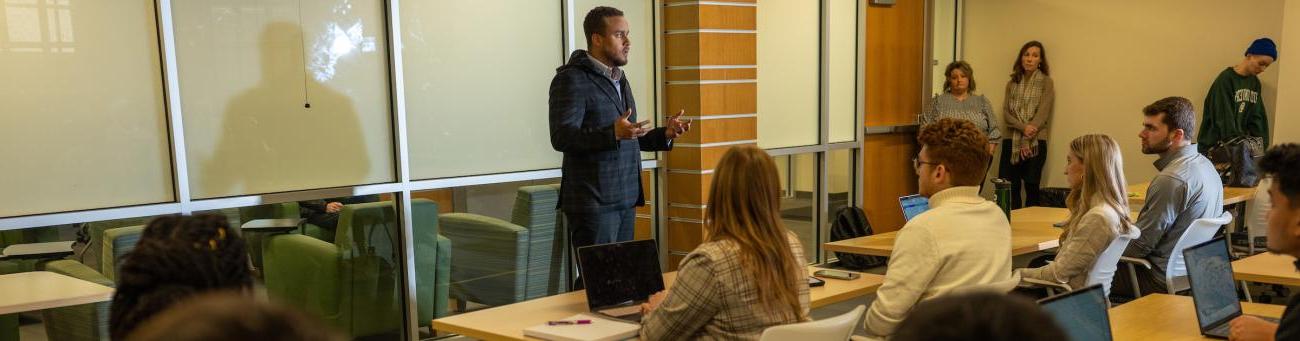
(224, 316)
(978, 315)
(963, 240)
(325, 213)
(177, 257)
(748, 275)
(1282, 164)
(1187, 188)
(1098, 212)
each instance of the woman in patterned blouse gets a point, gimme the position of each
(959, 100)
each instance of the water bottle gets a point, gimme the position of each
(1002, 195)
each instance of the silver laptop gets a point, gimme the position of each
(1209, 271)
(620, 276)
(1083, 314)
(913, 205)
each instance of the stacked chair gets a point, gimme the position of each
(496, 262)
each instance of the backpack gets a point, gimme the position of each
(1234, 159)
(851, 222)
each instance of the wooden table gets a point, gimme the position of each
(1267, 268)
(29, 291)
(508, 322)
(1137, 195)
(1031, 231)
(1169, 317)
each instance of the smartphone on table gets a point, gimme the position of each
(836, 274)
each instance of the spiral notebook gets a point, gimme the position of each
(600, 329)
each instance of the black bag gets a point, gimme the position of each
(851, 222)
(1234, 159)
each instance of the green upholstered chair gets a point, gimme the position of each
(496, 262)
(353, 284)
(90, 321)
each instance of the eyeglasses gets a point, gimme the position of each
(916, 163)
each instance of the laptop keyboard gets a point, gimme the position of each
(622, 311)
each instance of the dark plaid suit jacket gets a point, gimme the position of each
(600, 172)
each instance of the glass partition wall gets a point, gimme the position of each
(308, 109)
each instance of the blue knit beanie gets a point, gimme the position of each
(1263, 47)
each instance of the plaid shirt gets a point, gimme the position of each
(713, 298)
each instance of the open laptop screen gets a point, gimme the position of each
(1210, 272)
(913, 205)
(1082, 314)
(620, 273)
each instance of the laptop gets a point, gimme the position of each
(1083, 314)
(620, 276)
(1209, 271)
(913, 205)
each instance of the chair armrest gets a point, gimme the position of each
(1137, 261)
(303, 272)
(75, 269)
(1034, 282)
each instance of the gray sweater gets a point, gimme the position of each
(1187, 188)
(974, 108)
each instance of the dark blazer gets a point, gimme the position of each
(600, 172)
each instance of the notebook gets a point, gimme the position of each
(600, 329)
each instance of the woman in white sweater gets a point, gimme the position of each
(1098, 214)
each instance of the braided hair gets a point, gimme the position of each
(177, 257)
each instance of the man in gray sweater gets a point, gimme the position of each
(1187, 188)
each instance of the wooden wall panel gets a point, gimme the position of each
(711, 99)
(887, 175)
(722, 130)
(709, 17)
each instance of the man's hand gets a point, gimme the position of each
(626, 130)
(1250, 328)
(677, 126)
(333, 207)
(1030, 131)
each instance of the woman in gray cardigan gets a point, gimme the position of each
(1099, 216)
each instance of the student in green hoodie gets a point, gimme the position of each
(1234, 106)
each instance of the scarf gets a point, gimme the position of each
(1024, 103)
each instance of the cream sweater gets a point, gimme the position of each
(963, 241)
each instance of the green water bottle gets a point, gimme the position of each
(1002, 195)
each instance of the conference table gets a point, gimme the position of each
(38, 290)
(508, 322)
(1267, 268)
(1137, 195)
(1031, 231)
(1169, 318)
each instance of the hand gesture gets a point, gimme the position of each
(677, 126)
(333, 207)
(626, 130)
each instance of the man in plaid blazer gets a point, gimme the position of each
(591, 115)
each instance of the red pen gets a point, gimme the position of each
(562, 323)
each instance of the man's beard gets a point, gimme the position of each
(1162, 147)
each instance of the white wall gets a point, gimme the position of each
(1286, 126)
(1109, 58)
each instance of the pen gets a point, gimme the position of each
(561, 323)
